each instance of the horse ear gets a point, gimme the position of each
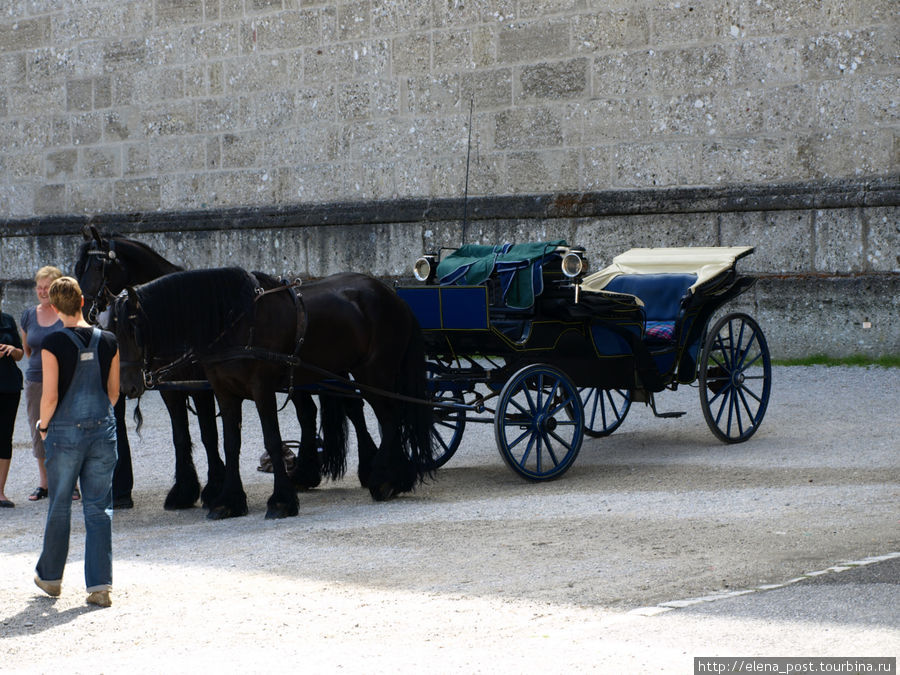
(96, 235)
(86, 232)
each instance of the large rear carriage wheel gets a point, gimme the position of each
(735, 378)
(604, 409)
(539, 422)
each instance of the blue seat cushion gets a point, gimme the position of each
(661, 293)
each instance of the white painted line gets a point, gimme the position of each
(713, 597)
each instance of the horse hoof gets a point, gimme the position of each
(179, 498)
(280, 511)
(173, 505)
(306, 480)
(222, 512)
(123, 502)
(382, 492)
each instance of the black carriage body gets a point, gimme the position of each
(599, 339)
(569, 360)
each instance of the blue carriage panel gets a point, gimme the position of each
(610, 342)
(464, 308)
(448, 307)
(425, 303)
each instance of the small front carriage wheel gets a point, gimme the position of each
(448, 424)
(735, 378)
(539, 423)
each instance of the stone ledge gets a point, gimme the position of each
(873, 191)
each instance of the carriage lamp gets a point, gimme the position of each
(425, 267)
(574, 263)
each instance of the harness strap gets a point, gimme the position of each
(153, 377)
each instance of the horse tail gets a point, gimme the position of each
(415, 418)
(138, 417)
(334, 436)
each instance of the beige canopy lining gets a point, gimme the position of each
(706, 262)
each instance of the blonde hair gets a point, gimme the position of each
(48, 272)
(65, 295)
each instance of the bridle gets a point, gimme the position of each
(101, 300)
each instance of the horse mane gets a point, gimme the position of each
(132, 248)
(196, 308)
(166, 266)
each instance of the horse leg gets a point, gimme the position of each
(306, 473)
(232, 501)
(283, 502)
(205, 403)
(186, 490)
(366, 447)
(391, 470)
(123, 476)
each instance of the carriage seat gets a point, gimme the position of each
(662, 295)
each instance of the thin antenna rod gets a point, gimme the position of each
(468, 152)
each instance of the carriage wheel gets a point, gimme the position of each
(735, 378)
(448, 424)
(539, 423)
(604, 409)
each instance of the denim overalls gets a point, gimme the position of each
(81, 444)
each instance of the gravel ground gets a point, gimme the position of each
(480, 571)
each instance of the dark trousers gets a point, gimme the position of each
(9, 406)
(123, 478)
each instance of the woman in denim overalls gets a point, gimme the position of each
(80, 440)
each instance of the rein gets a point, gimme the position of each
(339, 384)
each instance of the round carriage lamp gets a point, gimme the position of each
(424, 268)
(574, 263)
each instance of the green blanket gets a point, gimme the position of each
(518, 267)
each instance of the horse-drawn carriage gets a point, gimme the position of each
(520, 333)
(516, 331)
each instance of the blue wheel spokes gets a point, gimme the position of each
(538, 422)
(733, 405)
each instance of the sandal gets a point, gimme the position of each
(39, 493)
(76, 495)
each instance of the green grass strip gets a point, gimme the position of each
(890, 361)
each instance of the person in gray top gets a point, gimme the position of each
(38, 322)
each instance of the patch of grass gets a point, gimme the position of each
(890, 361)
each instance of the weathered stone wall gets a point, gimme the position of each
(121, 106)
(309, 136)
(827, 256)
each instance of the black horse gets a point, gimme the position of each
(105, 267)
(252, 337)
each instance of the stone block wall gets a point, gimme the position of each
(309, 136)
(146, 105)
(828, 257)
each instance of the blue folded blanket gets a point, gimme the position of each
(518, 266)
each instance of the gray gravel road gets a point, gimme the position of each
(480, 571)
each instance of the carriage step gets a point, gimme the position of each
(669, 414)
(652, 403)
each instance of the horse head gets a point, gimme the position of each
(99, 273)
(131, 327)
